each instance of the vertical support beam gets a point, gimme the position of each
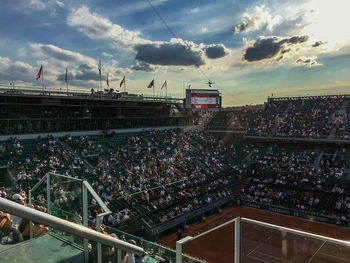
(85, 221)
(30, 222)
(178, 252)
(179, 248)
(119, 255)
(237, 239)
(48, 197)
(99, 246)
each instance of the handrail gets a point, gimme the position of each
(97, 198)
(66, 226)
(297, 232)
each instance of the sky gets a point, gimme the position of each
(250, 49)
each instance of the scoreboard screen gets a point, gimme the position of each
(202, 99)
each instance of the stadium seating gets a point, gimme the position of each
(158, 176)
(325, 117)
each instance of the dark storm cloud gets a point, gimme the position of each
(87, 75)
(142, 66)
(169, 53)
(85, 67)
(61, 77)
(295, 40)
(272, 47)
(244, 26)
(318, 43)
(82, 76)
(216, 51)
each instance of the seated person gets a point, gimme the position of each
(15, 228)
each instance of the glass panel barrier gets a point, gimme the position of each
(154, 251)
(264, 242)
(66, 195)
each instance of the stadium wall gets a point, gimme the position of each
(302, 214)
(89, 133)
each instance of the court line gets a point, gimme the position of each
(324, 242)
(280, 259)
(344, 259)
(259, 245)
(259, 259)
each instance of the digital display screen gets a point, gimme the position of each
(203, 99)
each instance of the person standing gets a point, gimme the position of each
(179, 234)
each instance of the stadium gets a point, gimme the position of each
(151, 131)
(284, 163)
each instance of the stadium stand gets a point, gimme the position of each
(317, 117)
(156, 180)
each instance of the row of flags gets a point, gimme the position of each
(123, 81)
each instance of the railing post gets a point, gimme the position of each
(119, 255)
(99, 246)
(85, 221)
(48, 197)
(30, 222)
(237, 239)
(179, 248)
(178, 252)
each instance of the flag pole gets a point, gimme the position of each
(99, 72)
(100, 89)
(67, 79)
(166, 89)
(183, 88)
(153, 88)
(42, 79)
(124, 84)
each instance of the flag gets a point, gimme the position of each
(151, 84)
(123, 81)
(165, 84)
(39, 73)
(107, 81)
(66, 76)
(99, 67)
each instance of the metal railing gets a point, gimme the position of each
(238, 239)
(86, 188)
(84, 93)
(66, 226)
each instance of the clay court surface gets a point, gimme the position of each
(261, 244)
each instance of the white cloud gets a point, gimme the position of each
(256, 19)
(194, 10)
(105, 54)
(59, 3)
(38, 4)
(98, 27)
(16, 71)
(307, 62)
(327, 21)
(50, 5)
(174, 52)
(62, 56)
(21, 52)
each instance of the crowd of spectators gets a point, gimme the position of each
(160, 175)
(157, 175)
(309, 117)
(15, 229)
(295, 180)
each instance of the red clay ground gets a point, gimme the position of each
(259, 244)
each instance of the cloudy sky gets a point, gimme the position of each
(249, 49)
